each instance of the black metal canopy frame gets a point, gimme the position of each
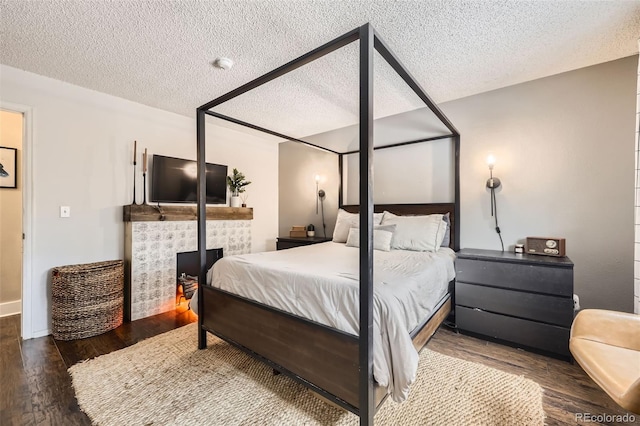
(369, 40)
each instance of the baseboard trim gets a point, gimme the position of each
(40, 333)
(10, 308)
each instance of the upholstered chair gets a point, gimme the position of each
(606, 344)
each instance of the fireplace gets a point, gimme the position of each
(188, 269)
(151, 249)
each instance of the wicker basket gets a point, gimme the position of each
(87, 299)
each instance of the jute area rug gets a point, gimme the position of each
(166, 380)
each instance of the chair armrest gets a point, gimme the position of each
(609, 327)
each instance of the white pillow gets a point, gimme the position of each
(382, 236)
(346, 221)
(417, 233)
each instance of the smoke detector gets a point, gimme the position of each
(223, 63)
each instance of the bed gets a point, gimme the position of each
(334, 363)
(299, 307)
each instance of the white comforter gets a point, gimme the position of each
(321, 282)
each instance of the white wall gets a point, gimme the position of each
(408, 174)
(299, 164)
(82, 150)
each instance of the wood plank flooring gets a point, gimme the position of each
(35, 388)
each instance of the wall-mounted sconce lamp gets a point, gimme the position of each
(493, 183)
(320, 194)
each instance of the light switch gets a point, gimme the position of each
(65, 211)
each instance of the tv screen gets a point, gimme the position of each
(174, 180)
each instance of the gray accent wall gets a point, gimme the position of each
(563, 146)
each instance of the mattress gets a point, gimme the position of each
(320, 282)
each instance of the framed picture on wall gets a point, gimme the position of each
(8, 167)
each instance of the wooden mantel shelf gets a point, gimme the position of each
(152, 213)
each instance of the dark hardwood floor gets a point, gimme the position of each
(36, 389)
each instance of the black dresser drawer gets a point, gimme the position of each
(537, 307)
(516, 276)
(549, 338)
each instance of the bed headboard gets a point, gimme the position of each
(417, 209)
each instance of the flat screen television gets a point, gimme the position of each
(174, 180)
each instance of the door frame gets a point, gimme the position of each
(26, 175)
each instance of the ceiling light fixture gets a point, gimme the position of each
(223, 63)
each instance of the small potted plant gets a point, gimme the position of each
(237, 183)
(311, 230)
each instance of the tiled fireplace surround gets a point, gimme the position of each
(151, 249)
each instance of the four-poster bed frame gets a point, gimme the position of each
(336, 365)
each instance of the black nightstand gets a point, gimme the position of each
(519, 299)
(290, 242)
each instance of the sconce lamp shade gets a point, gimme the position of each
(492, 182)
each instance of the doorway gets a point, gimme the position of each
(25, 183)
(11, 212)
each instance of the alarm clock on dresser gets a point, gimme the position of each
(546, 246)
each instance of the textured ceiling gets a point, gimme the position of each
(159, 53)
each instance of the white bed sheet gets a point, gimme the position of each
(321, 282)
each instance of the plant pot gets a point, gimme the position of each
(235, 201)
